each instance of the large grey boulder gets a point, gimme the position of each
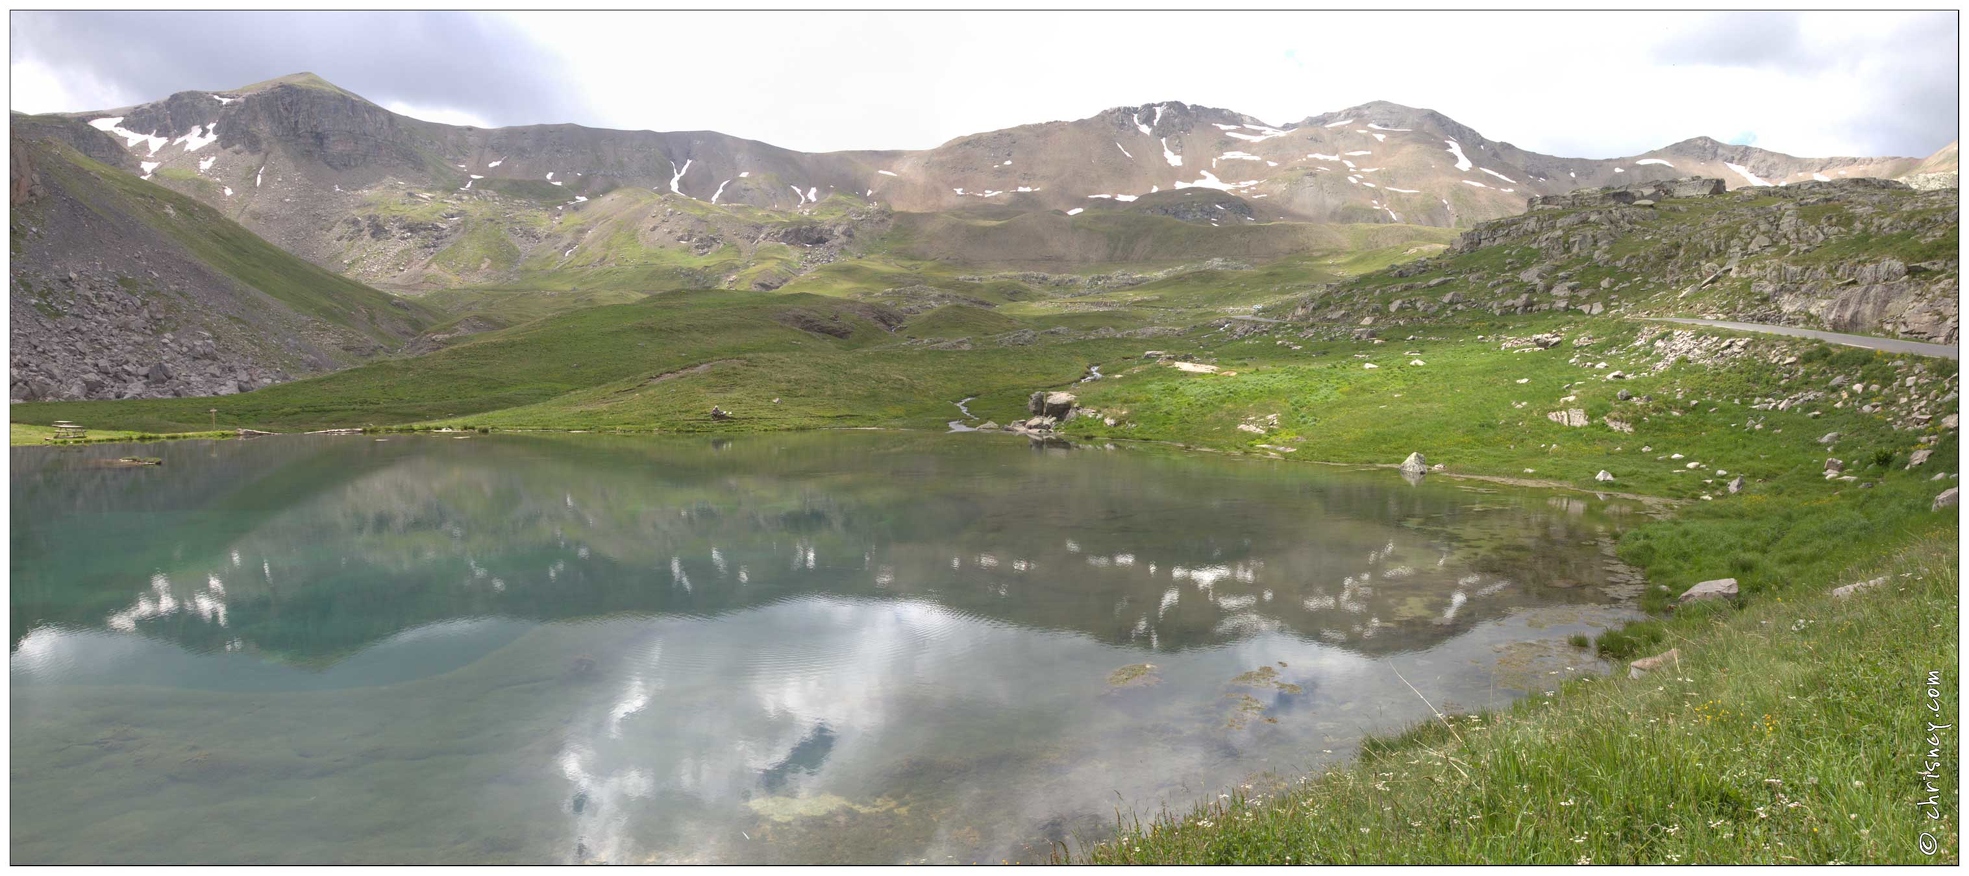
(1945, 500)
(1721, 588)
(1415, 464)
(1051, 404)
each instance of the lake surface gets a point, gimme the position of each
(831, 647)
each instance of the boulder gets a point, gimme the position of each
(1736, 484)
(1829, 438)
(1721, 588)
(1415, 464)
(1945, 500)
(1834, 466)
(1645, 665)
(1918, 457)
(1050, 404)
(1603, 476)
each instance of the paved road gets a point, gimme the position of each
(1889, 345)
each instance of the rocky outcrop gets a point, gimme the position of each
(1645, 194)
(1416, 463)
(1791, 262)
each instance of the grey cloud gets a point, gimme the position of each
(1743, 39)
(1913, 71)
(453, 60)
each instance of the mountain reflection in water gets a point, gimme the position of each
(817, 647)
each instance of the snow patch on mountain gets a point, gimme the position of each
(1210, 181)
(882, 172)
(1654, 161)
(1124, 151)
(114, 125)
(1498, 175)
(1744, 172)
(1456, 149)
(677, 176)
(1340, 124)
(195, 140)
(1171, 157)
(1264, 133)
(721, 190)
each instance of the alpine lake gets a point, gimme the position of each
(825, 647)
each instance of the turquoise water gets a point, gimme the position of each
(832, 647)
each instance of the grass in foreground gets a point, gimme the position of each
(1793, 730)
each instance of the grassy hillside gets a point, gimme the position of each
(638, 366)
(227, 247)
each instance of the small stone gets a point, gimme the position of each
(1834, 466)
(1945, 500)
(1850, 589)
(1603, 476)
(1736, 484)
(1720, 588)
(1829, 438)
(1918, 457)
(1646, 665)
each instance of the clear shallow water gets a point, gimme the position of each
(840, 647)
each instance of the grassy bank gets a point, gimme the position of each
(1792, 730)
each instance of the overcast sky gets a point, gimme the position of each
(1594, 85)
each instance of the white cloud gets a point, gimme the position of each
(1815, 83)
(441, 115)
(1284, 73)
(38, 88)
